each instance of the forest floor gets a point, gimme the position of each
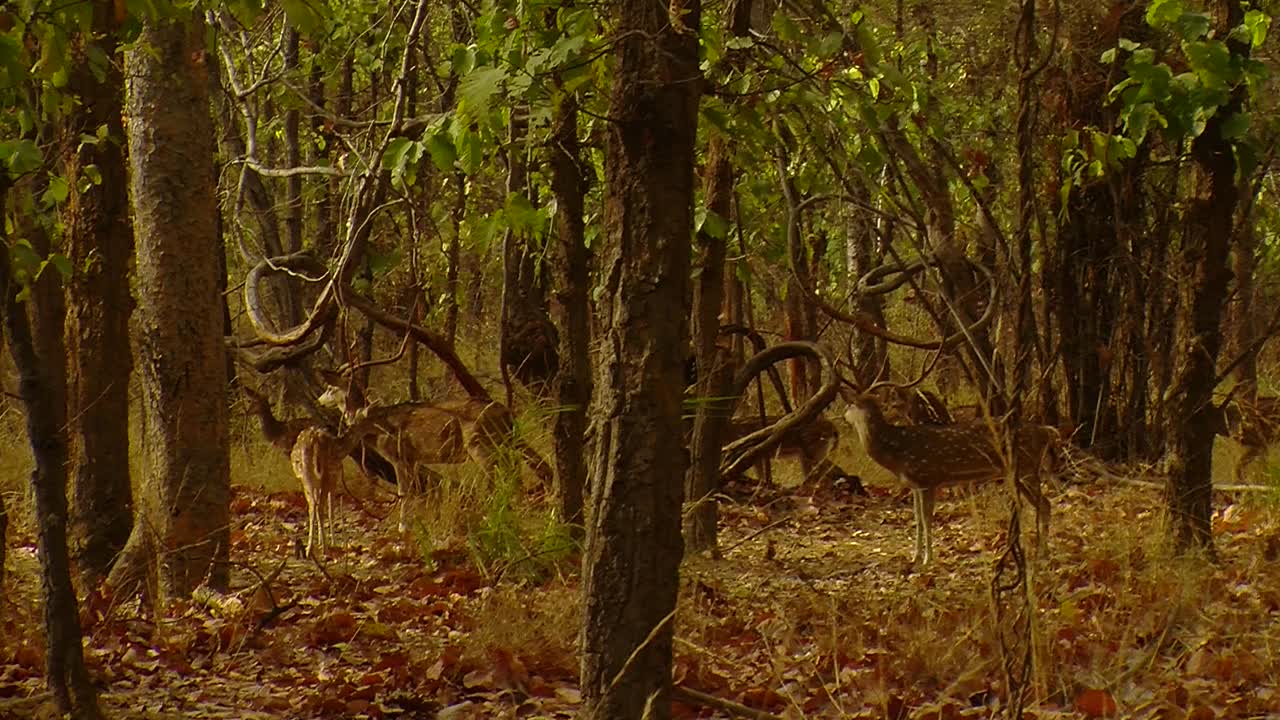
(813, 612)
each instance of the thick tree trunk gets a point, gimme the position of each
(633, 547)
(185, 500)
(99, 301)
(1203, 292)
(46, 419)
(571, 306)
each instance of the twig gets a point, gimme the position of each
(696, 697)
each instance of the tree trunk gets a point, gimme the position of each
(185, 497)
(99, 301)
(46, 418)
(292, 152)
(528, 338)
(715, 375)
(1206, 274)
(571, 306)
(456, 215)
(870, 354)
(633, 546)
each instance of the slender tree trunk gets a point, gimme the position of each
(633, 546)
(456, 215)
(715, 375)
(528, 338)
(184, 509)
(100, 246)
(46, 419)
(571, 307)
(292, 153)
(1205, 262)
(870, 354)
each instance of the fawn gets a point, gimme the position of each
(317, 461)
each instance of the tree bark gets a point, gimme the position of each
(529, 341)
(633, 546)
(1202, 296)
(570, 305)
(99, 301)
(185, 497)
(46, 419)
(715, 374)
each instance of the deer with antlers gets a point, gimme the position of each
(450, 432)
(927, 457)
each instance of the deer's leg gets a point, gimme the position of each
(404, 480)
(922, 508)
(313, 511)
(927, 498)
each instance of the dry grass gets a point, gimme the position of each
(820, 613)
(825, 611)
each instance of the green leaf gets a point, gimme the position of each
(1193, 26)
(868, 45)
(20, 156)
(786, 28)
(442, 152)
(394, 157)
(477, 89)
(829, 45)
(470, 152)
(1236, 126)
(305, 15)
(57, 192)
(1163, 12)
(522, 216)
(1212, 63)
(62, 264)
(712, 223)
(1257, 23)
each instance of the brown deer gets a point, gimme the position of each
(411, 435)
(927, 457)
(283, 434)
(317, 461)
(1255, 424)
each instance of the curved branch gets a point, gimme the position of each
(900, 274)
(435, 343)
(867, 324)
(758, 344)
(745, 451)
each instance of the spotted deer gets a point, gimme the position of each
(412, 435)
(1255, 424)
(927, 457)
(317, 456)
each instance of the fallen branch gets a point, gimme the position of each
(695, 697)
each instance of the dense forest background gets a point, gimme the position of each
(594, 266)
